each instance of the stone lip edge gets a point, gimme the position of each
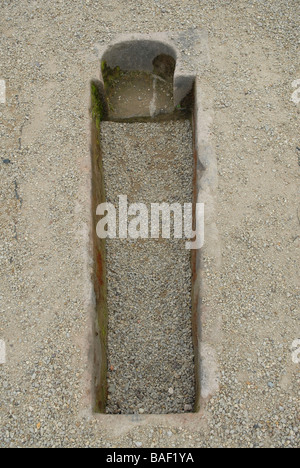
(207, 373)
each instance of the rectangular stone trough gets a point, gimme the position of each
(148, 97)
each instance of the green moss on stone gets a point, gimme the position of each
(110, 75)
(98, 112)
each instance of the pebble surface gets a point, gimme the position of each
(150, 345)
(48, 55)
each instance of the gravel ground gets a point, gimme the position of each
(149, 281)
(250, 316)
